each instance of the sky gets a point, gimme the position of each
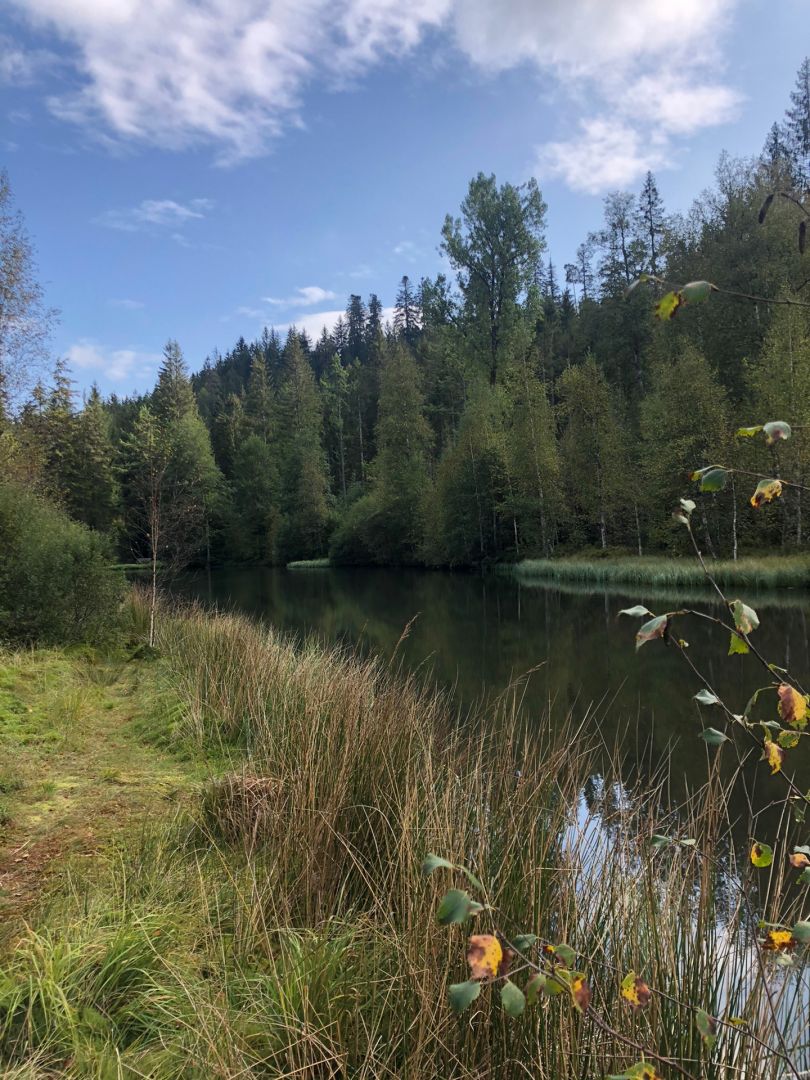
(200, 169)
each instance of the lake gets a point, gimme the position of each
(477, 634)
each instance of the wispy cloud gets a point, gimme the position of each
(117, 365)
(127, 305)
(637, 79)
(304, 297)
(20, 66)
(159, 213)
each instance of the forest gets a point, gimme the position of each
(513, 409)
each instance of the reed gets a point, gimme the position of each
(279, 925)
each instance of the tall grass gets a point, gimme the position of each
(788, 571)
(280, 925)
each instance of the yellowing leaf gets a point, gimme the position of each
(737, 645)
(761, 855)
(745, 618)
(779, 941)
(635, 991)
(799, 860)
(748, 432)
(668, 305)
(484, 955)
(766, 491)
(774, 755)
(788, 739)
(792, 706)
(581, 993)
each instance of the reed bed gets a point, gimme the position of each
(786, 571)
(279, 926)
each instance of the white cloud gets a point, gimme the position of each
(234, 74)
(20, 66)
(603, 155)
(304, 297)
(314, 322)
(127, 305)
(117, 365)
(155, 212)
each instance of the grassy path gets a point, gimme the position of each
(76, 765)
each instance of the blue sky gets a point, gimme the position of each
(200, 168)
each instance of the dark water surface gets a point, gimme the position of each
(478, 633)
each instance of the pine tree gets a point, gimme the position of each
(356, 317)
(173, 397)
(651, 224)
(304, 484)
(259, 400)
(406, 314)
(797, 124)
(94, 494)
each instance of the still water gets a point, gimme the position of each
(477, 634)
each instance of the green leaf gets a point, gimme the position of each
(804, 877)
(534, 987)
(707, 1026)
(668, 305)
(748, 432)
(706, 697)
(566, 954)
(636, 612)
(761, 855)
(713, 737)
(512, 999)
(776, 431)
(658, 840)
(737, 646)
(435, 862)
(714, 479)
(456, 907)
(655, 628)
(462, 995)
(801, 931)
(696, 292)
(523, 942)
(745, 618)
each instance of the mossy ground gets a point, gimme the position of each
(77, 763)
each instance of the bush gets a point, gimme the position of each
(57, 584)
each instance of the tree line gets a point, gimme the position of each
(518, 409)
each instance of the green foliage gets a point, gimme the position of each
(56, 579)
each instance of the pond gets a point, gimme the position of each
(477, 634)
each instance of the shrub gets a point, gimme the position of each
(57, 584)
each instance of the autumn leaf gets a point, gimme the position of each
(668, 305)
(534, 987)
(707, 1026)
(745, 618)
(779, 941)
(737, 646)
(799, 860)
(761, 855)
(766, 491)
(792, 706)
(774, 755)
(788, 739)
(635, 991)
(484, 955)
(581, 993)
(775, 431)
(655, 628)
